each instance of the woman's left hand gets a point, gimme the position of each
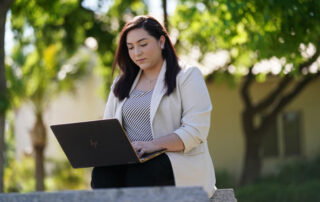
(145, 147)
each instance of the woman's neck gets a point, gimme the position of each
(153, 73)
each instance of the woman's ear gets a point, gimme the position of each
(162, 41)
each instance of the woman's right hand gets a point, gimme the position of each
(145, 147)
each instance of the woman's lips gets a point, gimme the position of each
(141, 60)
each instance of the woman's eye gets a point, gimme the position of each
(143, 45)
(130, 48)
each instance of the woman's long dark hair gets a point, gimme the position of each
(129, 69)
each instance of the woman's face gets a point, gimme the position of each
(144, 49)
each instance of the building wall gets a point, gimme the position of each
(226, 140)
(225, 137)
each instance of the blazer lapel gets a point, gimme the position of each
(118, 114)
(158, 92)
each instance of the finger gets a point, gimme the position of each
(136, 146)
(137, 149)
(141, 152)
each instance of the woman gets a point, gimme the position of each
(161, 106)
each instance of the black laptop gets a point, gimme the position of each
(97, 143)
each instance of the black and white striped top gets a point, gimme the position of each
(136, 115)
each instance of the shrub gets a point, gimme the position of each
(296, 182)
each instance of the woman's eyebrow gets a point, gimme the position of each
(137, 41)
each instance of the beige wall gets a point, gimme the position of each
(226, 141)
(225, 137)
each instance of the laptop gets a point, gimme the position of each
(98, 143)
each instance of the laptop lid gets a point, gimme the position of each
(97, 143)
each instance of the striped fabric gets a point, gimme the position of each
(136, 115)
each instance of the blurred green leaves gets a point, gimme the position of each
(64, 177)
(253, 29)
(296, 181)
(19, 175)
(43, 74)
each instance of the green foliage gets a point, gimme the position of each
(19, 175)
(250, 30)
(64, 177)
(39, 76)
(9, 139)
(224, 179)
(65, 25)
(299, 181)
(265, 192)
(4, 102)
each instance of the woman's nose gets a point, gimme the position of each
(137, 51)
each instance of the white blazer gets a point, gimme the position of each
(185, 112)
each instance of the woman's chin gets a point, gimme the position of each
(144, 66)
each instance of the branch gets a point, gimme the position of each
(245, 89)
(290, 96)
(287, 99)
(272, 97)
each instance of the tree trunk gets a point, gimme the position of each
(252, 166)
(252, 161)
(2, 148)
(38, 138)
(40, 174)
(165, 14)
(4, 6)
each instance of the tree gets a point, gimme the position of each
(43, 72)
(59, 30)
(252, 31)
(4, 6)
(38, 77)
(165, 14)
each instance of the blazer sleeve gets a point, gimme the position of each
(196, 109)
(111, 103)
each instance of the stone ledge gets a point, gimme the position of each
(143, 194)
(224, 195)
